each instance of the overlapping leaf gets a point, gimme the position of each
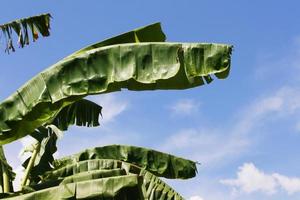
(158, 163)
(25, 27)
(99, 178)
(81, 113)
(119, 187)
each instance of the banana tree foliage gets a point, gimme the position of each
(81, 113)
(137, 60)
(109, 66)
(23, 28)
(108, 178)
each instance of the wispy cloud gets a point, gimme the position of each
(207, 146)
(284, 67)
(185, 107)
(196, 198)
(284, 102)
(234, 140)
(250, 179)
(112, 106)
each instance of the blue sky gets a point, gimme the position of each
(244, 130)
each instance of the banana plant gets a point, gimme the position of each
(111, 172)
(23, 28)
(137, 60)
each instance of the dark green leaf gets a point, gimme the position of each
(158, 163)
(81, 113)
(44, 159)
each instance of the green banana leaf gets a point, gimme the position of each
(47, 138)
(81, 113)
(72, 169)
(23, 28)
(118, 187)
(100, 178)
(142, 66)
(158, 163)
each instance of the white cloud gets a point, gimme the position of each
(185, 107)
(200, 145)
(111, 106)
(290, 185)
(286, 68)
(196, 198)
(284, 102)
(250, 179)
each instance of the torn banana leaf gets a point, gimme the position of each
(158, 163)
(25, 27)
(141, 66)
(81, 113)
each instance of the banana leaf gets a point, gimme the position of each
(83, 166)
(81, 113)
(158, 163)
(23, 28)
(142, 66)
(86, 180)
(46, 147)
(118, 187)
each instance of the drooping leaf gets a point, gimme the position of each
(38, 25)
(81, 113)
(158, 163)
(47, 138)
(143, 66)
